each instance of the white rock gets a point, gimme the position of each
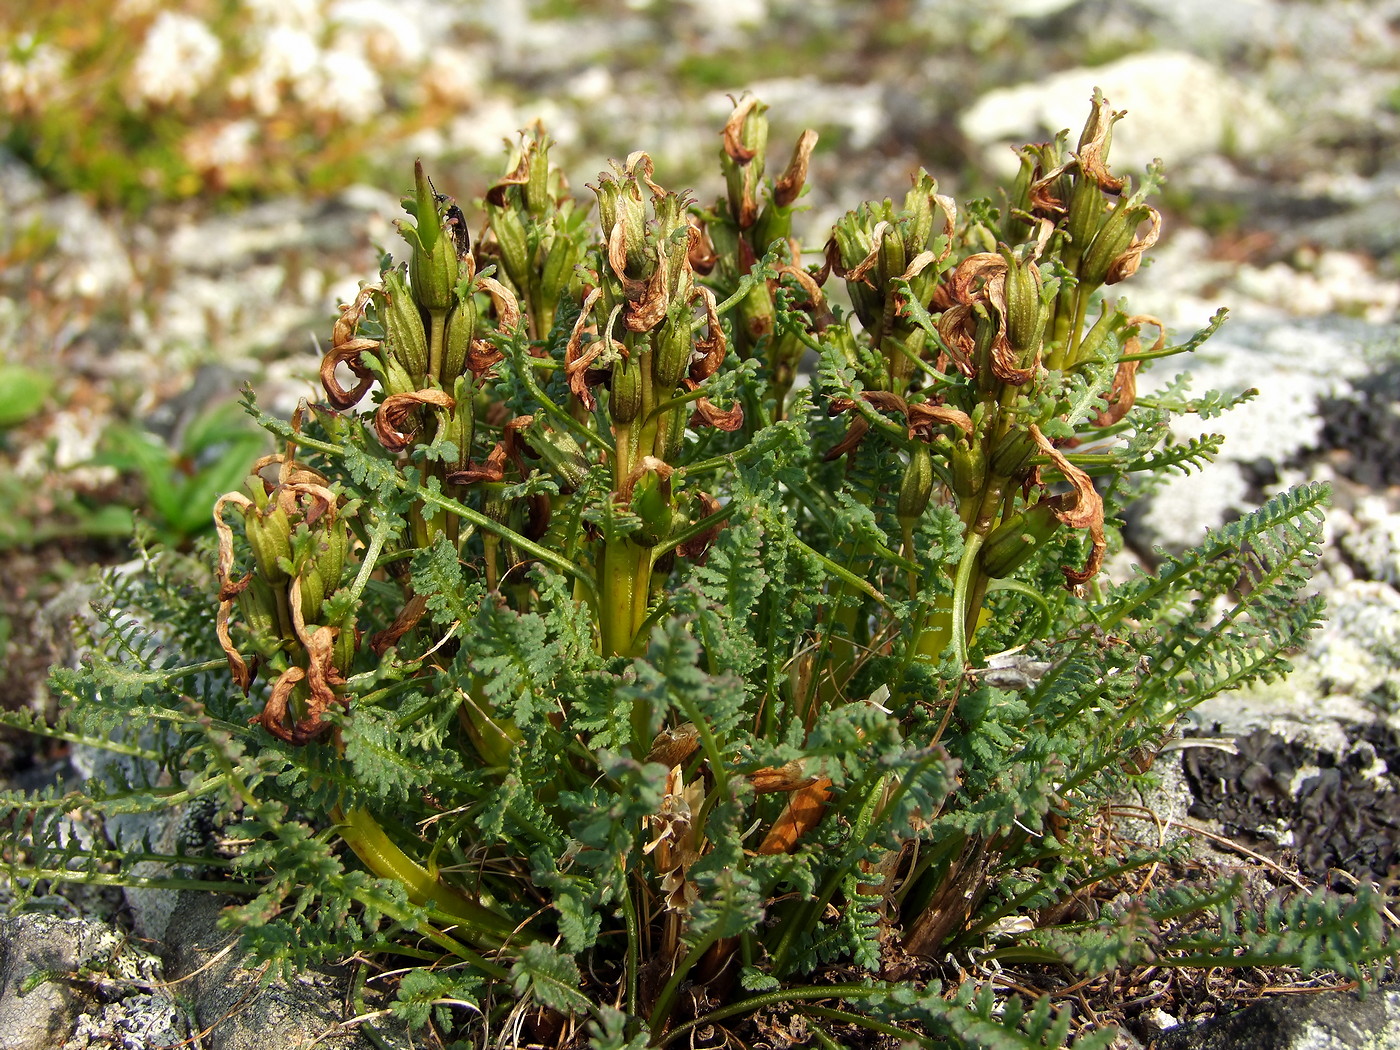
(1179, 106)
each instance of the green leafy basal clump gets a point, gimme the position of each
(612, 647)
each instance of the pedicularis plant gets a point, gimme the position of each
(639, 642)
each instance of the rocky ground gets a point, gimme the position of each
(1278, 120)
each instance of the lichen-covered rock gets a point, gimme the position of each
(61, 975)
(235, 1010)
(1329, 1021)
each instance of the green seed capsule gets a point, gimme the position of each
(457, 341)
(1012, 454)
(675, 345)
(1011, 544)
(969, 467)
(514, 245)
(270, 536)
(405, 339)
(626, 401)
(916, 488)
(258, 605)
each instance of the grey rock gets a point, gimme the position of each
(234, 1010)
(52, 970)
(1328, 1021)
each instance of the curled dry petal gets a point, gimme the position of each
(404, 622)
(481, 356)
(854, 435)
(576, 359)
(787, 777)
(923, 417)
(1006, 363)
(1042, 198)
(734, 130)
(986, 267)
(648, 301)
(1123, 267)
(493, 469)
(1093, 145)
(503, 299)
(348, 354)
(713, 347)
(787, 188)
(671, 747)
(238, 667)
(804, 809)
(229, 588)
(1123, 393)
(1080, 508)
(393, 422)
(707, 414)
(518, 176)
(701, 256)
(697, 548)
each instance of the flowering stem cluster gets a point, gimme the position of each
(642, 498)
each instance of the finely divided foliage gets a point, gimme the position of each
(620, 656)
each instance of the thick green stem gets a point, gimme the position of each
(383, 858)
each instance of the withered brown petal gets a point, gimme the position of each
(1123, 267)
(1081, 508)
(348, 354)
(789, 185)
(395, 415)
(923, 417)
(707, 414)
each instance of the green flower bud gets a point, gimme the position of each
(742, 158)
(918, 214)
(675, 432)
(258, 605)
(405, 340)
(916, 488)
(433, 263)
(626, 387)
(270, 536)
(1011, 544)
(558, 270)
(313, 593)
(969, 467)
(893, 260)
(1026, 312)
(565, 457)
(1086, 208)
(460, 427)
(1113, 240)
(651, 501)
(344, 652)
(332, 548)
(514, 245)
(1012, 454)
(457, 339)
(675, 345)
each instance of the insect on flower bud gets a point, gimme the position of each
(433, 262)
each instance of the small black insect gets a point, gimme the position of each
(456, 221)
